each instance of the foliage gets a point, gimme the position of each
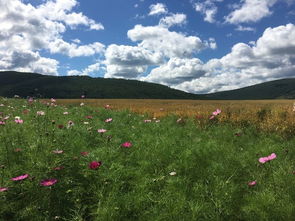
(172, 168)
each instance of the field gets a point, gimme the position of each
(159, 160)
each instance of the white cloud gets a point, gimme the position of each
(159, 8)
(28, 30)
(176, 70)
(160, 39)
(250, 11)
(271, 57)
(174, 19)
(128, 61)
(207, 8)
(243, 28)
(73, 50)
(90, 70)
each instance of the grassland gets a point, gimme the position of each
(57, 164)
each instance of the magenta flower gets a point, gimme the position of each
(2, 122)
(57, 151)
(268, 158)
(94, 165)
(147, 121)
(48, 182)
(252, 183)
(108, 120)
(217, 112)
(126, 144)
(40, 113)
(21, 177)
(82, 96)
(18, 120)
(101, 131)
(3, 189)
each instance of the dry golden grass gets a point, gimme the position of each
(268, 115)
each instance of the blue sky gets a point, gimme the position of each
(198, 46)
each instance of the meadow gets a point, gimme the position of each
(143, 160)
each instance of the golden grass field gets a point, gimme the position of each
(267, 115)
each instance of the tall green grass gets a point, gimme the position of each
(212, 162)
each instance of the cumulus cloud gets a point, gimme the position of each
(208, 9)
(90, 70)
(271, 57)
(164, 41)
(128, 61)
(174, 19)
(157, 9)
(250, 11)
(26, 31)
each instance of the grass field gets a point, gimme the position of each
(91, 162)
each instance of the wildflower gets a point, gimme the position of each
(108, 120)
(217, 112)
(126, 144)
(82, 96)
(268, 158)
(101, 131)
(211, 117)
(2, 122)
(48, 182)
(18, 120)
(107, 106)
(252, 183)
(88, 117)
(147, 121)
(21, 177)
(85, 122)
(3, 189)
(58, 168)
(172, 173)
(40, 113)
(2, 105)
(26, 111)
(94, 165)
(66, 113)
(52, 100)
(82, 104)
(157, 121)
(84, 153)
(57, 151)
(70, 124)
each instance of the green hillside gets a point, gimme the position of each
(278, 89)
(43, 86)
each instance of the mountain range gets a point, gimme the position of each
(44, 86)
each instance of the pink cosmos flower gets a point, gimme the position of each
(108, 120)
(19, 121)
(126, 144)
(147, 121)
(212, 117)
(21, 177)
(268, 158)
(101, 131)
(107, 106)
(252, 183)
(58, 168)
(48, 182)
(65, 113)
(57, 151)
(52, 100)
(2, 122)
(84, 153)
(3, 189)
(94, 165)
(40, 113)
(82, 96)
(217, 112)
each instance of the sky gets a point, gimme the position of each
(198, 46)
